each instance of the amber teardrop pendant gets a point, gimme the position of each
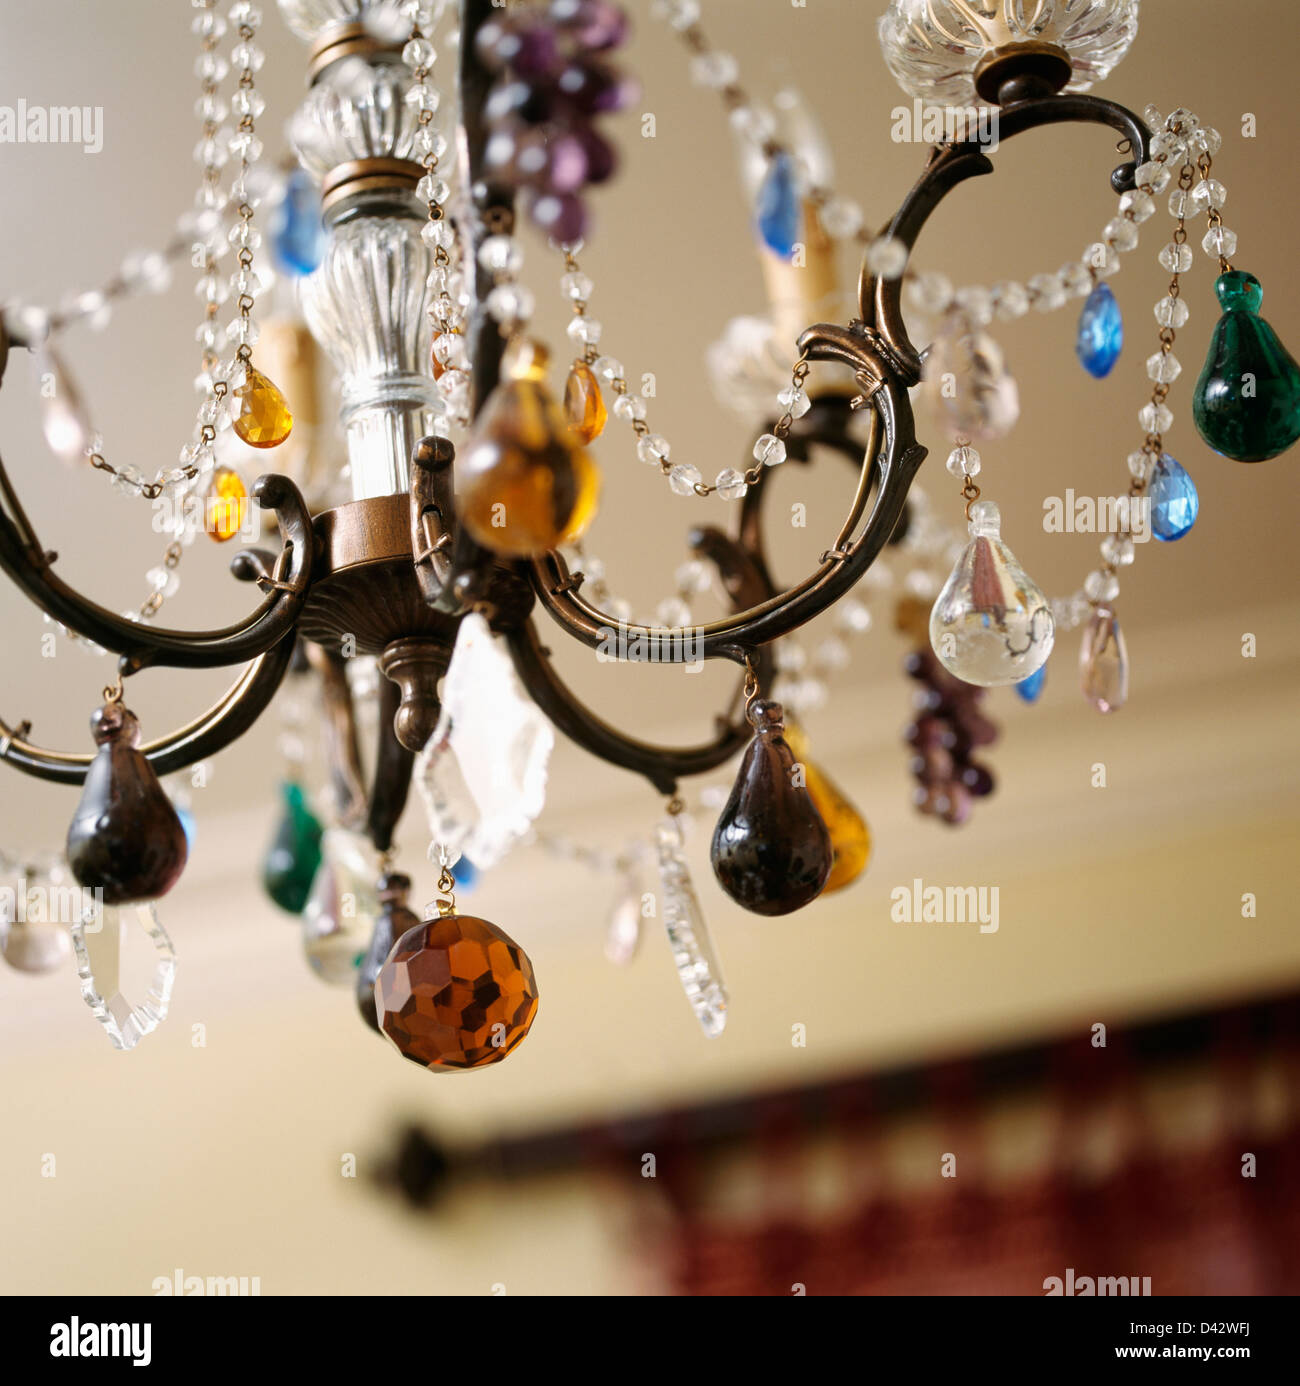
(584, 406)
(395, 918)
(525, 484)
(226, 507)
(771, 851)
(126, 838)
(263, 420)
(850, 836)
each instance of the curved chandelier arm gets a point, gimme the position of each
(224, 722)
(31, 566)
(391, 778)
(894, 453)
(950, 164)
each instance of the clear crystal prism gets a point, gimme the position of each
(124, 951)
(688, 935)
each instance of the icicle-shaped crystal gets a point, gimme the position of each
(108, 942)
(63, 418)
(688, 935)
(623, 933)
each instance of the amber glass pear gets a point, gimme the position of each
(850, 836)
(125, 837)
(584, 406)
(455, 993)
(525, 484)
(226, 507)
(264, 419)
(771, 851)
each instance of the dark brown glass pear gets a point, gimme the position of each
(126, 838)
(771, 851)
(395, 918)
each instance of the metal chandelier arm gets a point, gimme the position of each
(879, 300)
(31, 566)
(223, 723)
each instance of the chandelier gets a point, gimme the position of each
(412, 574)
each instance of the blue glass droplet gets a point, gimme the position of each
(1174, 502)
(465, 874)
(1031, 689)
(1101, 332)
(298, 234)
(779, 213)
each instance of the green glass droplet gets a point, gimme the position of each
(295, 852)
(1247, 401)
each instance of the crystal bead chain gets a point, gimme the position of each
(450, 362)
(248, 104)
(840, 217)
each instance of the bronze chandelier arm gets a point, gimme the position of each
(879, 300)
(241, 706)
(894, 454)
(391, 777)
(30, 565)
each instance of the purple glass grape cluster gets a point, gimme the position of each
(554, 82)
(948, 726)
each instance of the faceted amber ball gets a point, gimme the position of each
(455, 993)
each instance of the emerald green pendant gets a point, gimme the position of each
(1247, 401)
(295, 853)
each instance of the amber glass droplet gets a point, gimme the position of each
(850, 835)
(525, 484)
(584, 406)
(456, 993)
(125, 838)
(264, 419)
(771, 851)
(226, 506)
(395, 919)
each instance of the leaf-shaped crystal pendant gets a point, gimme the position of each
(264, 420)
(63, 417)
(990, 624)
(623, 932)
(967, 382)
(688, 935)
(1031, 688)
(1247, 400)
(771, 851)
(850, 836)
(125, 839)
(1101, 332)
(456, 992)
(482, 774)
(1174, 501)
(295, 853)
(525, 485)
(779, 209)
(339, 917)
(395, 918)
(1103, 661)
(124, 953)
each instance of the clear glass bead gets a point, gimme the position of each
(128, 480)
(680, 14)
(1010, 300)
(1209, 193)
(693, 577)
(500, 255)
(1117, 550)
(1219, 241)
(673, 611)
(418, 52)
(1206, 140)
(654, 448)
(609, 368)
(431, 189)
(1171, 311)
(832, 655)
(1076, 278)
(510, 303)
(629, 408)
(1138, 205)
(576, 286)
(208, 24)
(1102, 259)
(930, 292)
(1176, 258)
(1155, 418)
(1151, 114)
(583, 330)
(683, 479)
(1138, 464)
(769, 450)
(731, 484)
(794, 401)
(211, 67)
(963, 461)
(1182, 120)
(1101, 586)
(1164, 367)
(1152, 176)
(715, 70)
(852, 615)
(243, 331)
(427, 141)
(1047, 291)
(1180, 203)
(1121, 233)
(887, 257)
(975, 304)
(841, 218)
(247, 102)
(247, 56)
(165, 581)
(438, 234)
(757, 126)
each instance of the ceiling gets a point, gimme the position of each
(1118, 901)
